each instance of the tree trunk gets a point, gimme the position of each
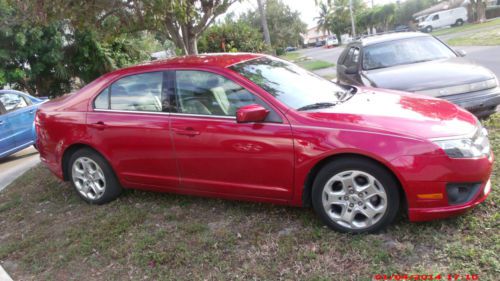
(263, 22)
(192, 46)
(481, 11)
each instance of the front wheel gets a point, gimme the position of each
(428, 29)
(92, 177)
(355, 196)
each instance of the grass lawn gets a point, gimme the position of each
(481, 38)
(312, 65)
(291, 56)
(306, 63)
(48, 233)
(467, 27)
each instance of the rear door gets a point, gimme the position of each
(130, 126)
(6, 137)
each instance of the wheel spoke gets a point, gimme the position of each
(347, 216)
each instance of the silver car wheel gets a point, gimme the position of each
(88, 178)
(354, 199)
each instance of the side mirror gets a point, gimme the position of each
(353, 69)
(251, 113)
(461, 53)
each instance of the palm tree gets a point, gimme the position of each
(324, 19)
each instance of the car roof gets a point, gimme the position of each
(379, 38)
(214, 59)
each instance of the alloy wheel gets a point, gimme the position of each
(354, 199)
(88, 178)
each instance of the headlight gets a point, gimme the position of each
(477, 145)
(460, 89)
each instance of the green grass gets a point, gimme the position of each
(312, 65)
(467, 27)
(48, 233)
(481, 38)
(291, 56)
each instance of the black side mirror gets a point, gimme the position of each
(353, 69)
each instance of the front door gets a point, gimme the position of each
(7, 143)
(220, 156)
(131, 124)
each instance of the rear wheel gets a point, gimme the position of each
(92, 177)
(355, 195)
(459, 22)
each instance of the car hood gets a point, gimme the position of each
(428, 75)
(399, 113)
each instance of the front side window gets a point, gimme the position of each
(13, 102)
(404, 51)
(289, 83)
(206, 93)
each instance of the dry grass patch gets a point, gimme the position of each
(48, 233)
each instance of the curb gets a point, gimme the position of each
(3, 275)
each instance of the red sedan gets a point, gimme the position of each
(254, 127)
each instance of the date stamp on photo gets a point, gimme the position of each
(445, 277)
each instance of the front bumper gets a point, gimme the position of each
(426, 214)
(425, 179)
(481, 103)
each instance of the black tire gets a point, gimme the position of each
(389, 184)
(112, 187)
(428, 29)
(459, 22)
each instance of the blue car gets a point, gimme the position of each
(17, 116)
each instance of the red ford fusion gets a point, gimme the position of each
(254, 127)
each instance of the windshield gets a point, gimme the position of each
(290, 84)
(405, 51)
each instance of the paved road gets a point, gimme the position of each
(16, 164)
(488, 56)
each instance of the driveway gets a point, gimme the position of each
(15, 165)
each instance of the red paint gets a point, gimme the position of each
(260, 161)
(251, 113)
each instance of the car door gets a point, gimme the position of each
(348, 70)
(20, 115)
(217, 155)
(7, 143)
(130, 123)
(436, 21)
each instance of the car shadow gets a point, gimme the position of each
(15, 156)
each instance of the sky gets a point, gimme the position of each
(307, 8)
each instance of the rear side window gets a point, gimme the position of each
(352, 57)
(141, 92)
(102, 100)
